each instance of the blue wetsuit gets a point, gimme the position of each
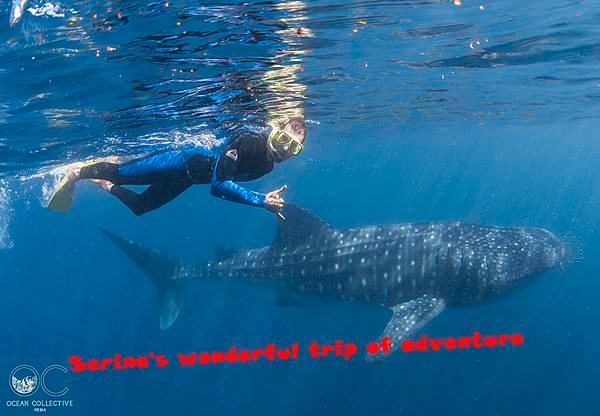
(170, 173)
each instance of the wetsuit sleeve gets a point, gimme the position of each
(226, 169)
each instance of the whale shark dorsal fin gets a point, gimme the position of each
(408, 318)
(298, 226)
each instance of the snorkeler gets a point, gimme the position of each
(249, 155)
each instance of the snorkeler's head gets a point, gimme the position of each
(286, 138)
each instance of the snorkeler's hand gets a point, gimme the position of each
(274, 202)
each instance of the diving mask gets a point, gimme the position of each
(292, 145)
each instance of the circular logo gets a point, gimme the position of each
(24, 380)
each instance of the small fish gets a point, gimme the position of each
(16, 11)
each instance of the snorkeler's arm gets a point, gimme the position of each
(233, 192)
(226, 168)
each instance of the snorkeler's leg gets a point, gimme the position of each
(164, 167)
(146, 170)
(102, 170)
(155, 196)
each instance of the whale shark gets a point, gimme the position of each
(414, 269)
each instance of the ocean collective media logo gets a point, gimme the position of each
(25, 383)
(25, 380)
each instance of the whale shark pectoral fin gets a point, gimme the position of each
(169, 304)
(408, 318)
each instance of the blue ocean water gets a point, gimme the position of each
(483, 112)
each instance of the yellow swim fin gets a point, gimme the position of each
(63, 195)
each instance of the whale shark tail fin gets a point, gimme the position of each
(161, 270)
